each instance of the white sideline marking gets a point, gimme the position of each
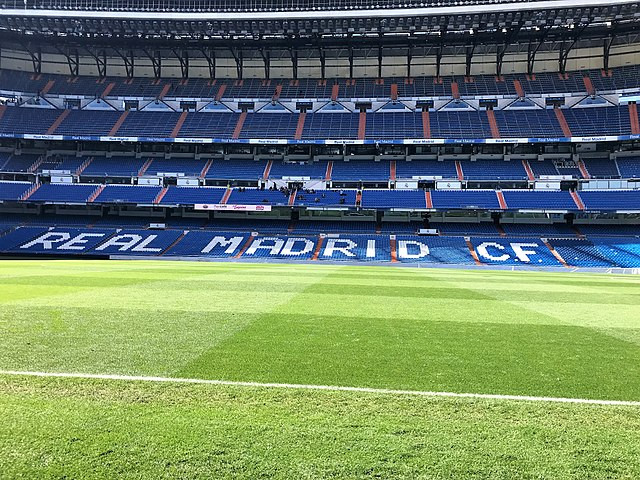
(331, 388)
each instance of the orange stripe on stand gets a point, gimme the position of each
(244, 247)
(316, 252)
(473, 251)
(394, 250)
(427, 199)
(555, 253)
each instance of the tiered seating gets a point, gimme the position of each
(87, 122)
(128, 194)
(464, 199)
(236, 170)
(626, 77)
(446, 250)
(331, 126)
(495, 251)
(611, 199)
(580, 253)
(19, 163)
(62, 193)
(114, 167)
(460, 124)
(18, 120)
(269, 125)
(485, 85)
(394, 125)
(323, 198)
(26, 238)
(128, 242)
(137, 87)
(527, 123)
(148, 124)
(273, 247)
(543, 167)
(550, 82)
(311, 170)
(13, 190)
(355, 170)
(493, 170)
(194, 243)
(598, 121)
(537, 199)
(393, 199)
(253, 196)
(426, 168)
(70, 164)
(192, 195)
(466, 124)
(188, 166)
(622, 252)
(209, 125)
(629, 167)
(601, 168)
(19, 236)
(357, 246)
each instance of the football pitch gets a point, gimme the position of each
(499, 336)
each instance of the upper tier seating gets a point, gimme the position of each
(394, 125)
(87, 122)
(393, 199)
(464, 199)
(317, 126)
(528, 123)
(598, 121)
(625, 77)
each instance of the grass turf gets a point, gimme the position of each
(520, 333)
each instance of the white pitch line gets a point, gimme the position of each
(330, 388)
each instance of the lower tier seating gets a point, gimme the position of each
(558, 251)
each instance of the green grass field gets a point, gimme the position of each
(490, 332)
